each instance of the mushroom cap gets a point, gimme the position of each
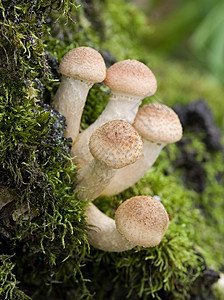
(131, 77)
(159, 123)
(116, 143)
(85, 63)
(142, 220)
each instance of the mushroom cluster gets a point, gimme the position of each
(118, 148)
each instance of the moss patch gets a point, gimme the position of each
(44, 257)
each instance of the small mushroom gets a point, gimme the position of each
(114, 145)
(158, 125)
(103, 233)
(139, 221)
(80, 68)
(130, 81)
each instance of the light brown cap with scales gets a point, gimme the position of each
(142, 220)
(116, 143)
(85, 63)
(159, 123)
(131, 77)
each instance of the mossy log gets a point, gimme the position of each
(44, 252)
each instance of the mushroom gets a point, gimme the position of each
(139, 221)
(103, 233)
(130, 81)
(158, 125)
(114, 145)
(80, 68)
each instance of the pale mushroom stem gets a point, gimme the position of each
(80, 68)
(103, 234)
(114, 145)
(126, 177)
(140, 220)
(123, 106)
(158, 125)
(70, 100)
(130, 81)
(92, 179)
(120, 107)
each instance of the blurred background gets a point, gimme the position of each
(188, 29)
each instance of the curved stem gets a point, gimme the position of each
(119, 107)
(103, 234)
(129, 175)
(70, 100)
(92, 179)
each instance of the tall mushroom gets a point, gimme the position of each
(114, 145)
(158, 125)
(130, 81)
(141, 220)
(80, 68)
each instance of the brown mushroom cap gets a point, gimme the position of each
(85, 63)
(131, 77)
(159, 123)
(142, 220)
(116, 143)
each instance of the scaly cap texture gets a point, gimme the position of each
(131, 77)
(85, 63)
(159, 123)
(142, 220)
(116, 143)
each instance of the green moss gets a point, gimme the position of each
(210, 233)
(8, 282)
(33, 164)
(34, 156)
(146, 272)
(167, 266)
(49, 251)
